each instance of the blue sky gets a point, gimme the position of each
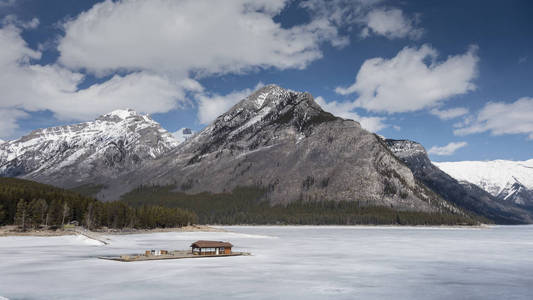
(452, 75)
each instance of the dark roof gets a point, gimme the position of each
(211, 244)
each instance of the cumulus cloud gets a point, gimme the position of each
(412, 80)
(448, 149)
(13, 20)
(500, 118)
(391, 23)
(158, 47)
(8, 118)
(210, 106)
(191, 36)
(33, 87)
(447, 114)
(370, 16)
(345, 110)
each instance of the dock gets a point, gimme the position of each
(178, 254)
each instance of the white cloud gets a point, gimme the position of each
(412, 80)
(391, 23)
(345, 110)
(448, 149)
(13, 20)
(34, 87)
(8, 118)
(500, 118)
(191, 36)
(212, 106)
(370, 16)
(161, 46)
(447, 114)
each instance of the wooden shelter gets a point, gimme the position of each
(211, 248)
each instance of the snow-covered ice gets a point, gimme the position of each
(288, 262)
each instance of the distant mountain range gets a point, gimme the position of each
(508, 181)
(277, 140)
(464, 194)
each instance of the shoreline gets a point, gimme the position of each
(11, 230)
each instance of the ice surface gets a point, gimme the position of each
(309, 262)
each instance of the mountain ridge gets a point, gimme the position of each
(507, 180)
(277, 140)
(283, 141)
(72, 154)
(464, 194)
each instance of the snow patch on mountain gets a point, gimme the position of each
(405, 148)
(122, 138)
(501, 178)
(183, 134)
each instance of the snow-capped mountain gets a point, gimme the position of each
(283, 142)
(87, 152)
(463, 194)
(183, 134)
(510, 181)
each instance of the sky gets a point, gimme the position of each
(455, 76)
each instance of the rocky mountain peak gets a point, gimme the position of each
(120, 115)
(267, 116)
(113, 143)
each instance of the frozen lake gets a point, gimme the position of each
(309, 262)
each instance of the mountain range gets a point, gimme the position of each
(278, 140)
(508, 181)
(86, 153)
(468, 195)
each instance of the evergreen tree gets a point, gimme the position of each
(20, 216)
(39, 210)
(54, 213)
(2, 214)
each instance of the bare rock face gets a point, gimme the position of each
(86, 153)
(464, 194)
(282, 141)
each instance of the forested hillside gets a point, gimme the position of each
(30, 205)
(244, 205)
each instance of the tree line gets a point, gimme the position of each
(30, 204)
(246, 205)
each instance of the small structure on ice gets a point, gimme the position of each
(211, 248)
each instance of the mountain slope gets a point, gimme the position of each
(283, 142)
(508, 181)
(86, 153)
(464, 194)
